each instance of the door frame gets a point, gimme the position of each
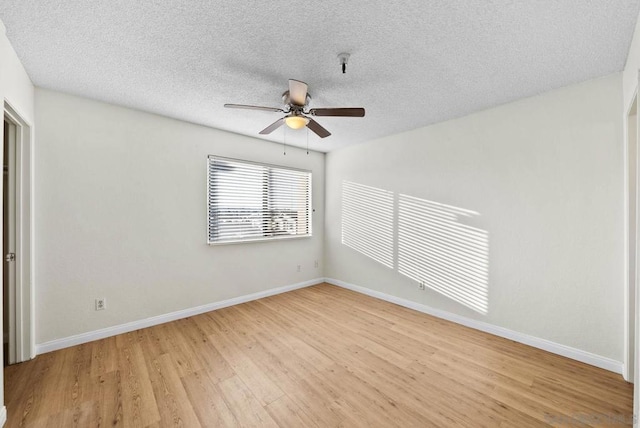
(630, 289)
(24, 294)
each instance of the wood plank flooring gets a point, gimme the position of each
(315, 357)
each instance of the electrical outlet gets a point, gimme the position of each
(299, 268)
(101, 304)
(315, 264)
(421, 285)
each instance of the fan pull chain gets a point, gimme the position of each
(284, 141)
(307, 141)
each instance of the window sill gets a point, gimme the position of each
(250, 241)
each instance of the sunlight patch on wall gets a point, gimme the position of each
(450, 257)
(367, 221)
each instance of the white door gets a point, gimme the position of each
(9, 242)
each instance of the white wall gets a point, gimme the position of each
(15, 86)
(121, 198)
(545, 176)
(17, 90)
(630, 73)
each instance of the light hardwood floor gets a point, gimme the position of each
(316, 357)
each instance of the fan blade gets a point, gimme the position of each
(275, 125)
(318, 129)
(274, 109)
(298, 92)
(344, 112)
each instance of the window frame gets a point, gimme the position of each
(310, 209)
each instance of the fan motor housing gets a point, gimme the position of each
(286, 99)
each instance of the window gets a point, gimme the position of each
(250, 201)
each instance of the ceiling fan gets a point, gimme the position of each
(296, 102)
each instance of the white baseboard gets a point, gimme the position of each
(3, 415)
(90, 336)
(547, 345)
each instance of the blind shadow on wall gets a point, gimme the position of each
(426, 241)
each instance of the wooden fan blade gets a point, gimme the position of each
(247, 107)
(298, 92)
(275, 125)
(318, 129)
(344, 112)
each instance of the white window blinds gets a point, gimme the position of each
(251, 201)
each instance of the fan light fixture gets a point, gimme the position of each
(296, 122)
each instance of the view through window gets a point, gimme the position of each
(249, 201)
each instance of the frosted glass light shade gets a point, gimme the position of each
(296, 122)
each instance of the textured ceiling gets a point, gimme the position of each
(413, 63)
